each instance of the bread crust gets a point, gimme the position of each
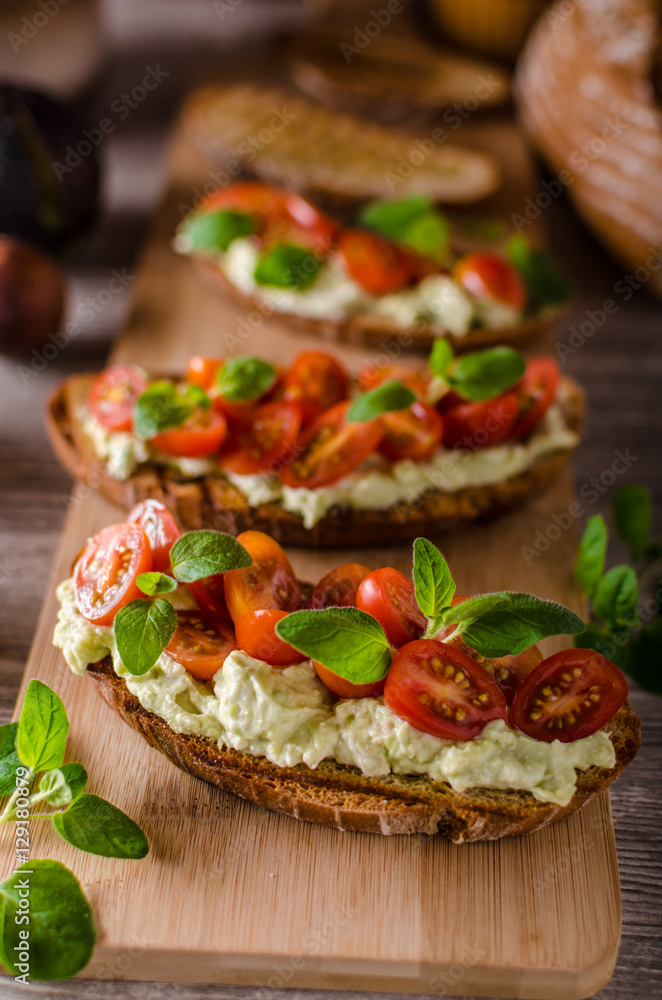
(342, 797)
(212, 502)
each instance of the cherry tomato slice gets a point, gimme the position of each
(316, 381)
(256, 635)
(159, 525)
(209, 595)
(267, 443)
(536, 392)
(568, 696)
(202, 371)
(343, 688)
(441, 691)
(376, 264)
(490, 277)
(105, 575)
(417, 379)
(414, 433)
(389, 597)
(338, 588)
(330, 448)
(201, 644)
(113, 395)
(270, 583)
(478, 425)
(200, 437)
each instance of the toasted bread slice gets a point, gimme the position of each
(339, 796)
(213, 502)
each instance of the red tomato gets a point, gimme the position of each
(316, 381)
(536, 392)
(113, 395)
(414, 433)
(202, 371)
(159, 525)
(389, 597)
(441, 691)
(376, 264)
(105, 575)
(201, 644)
(568, 696)
(267, 443)
(199, 437)
(478, 425)
(490, 277)
(344, 688)
(330, 448)
(256, 635)
(338, 588)
(269, 583)
(209, 595)
(417, 379)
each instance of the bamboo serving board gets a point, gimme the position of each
(231, 893)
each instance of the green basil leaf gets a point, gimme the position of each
(61, 922)
(287, 266)
(631, 506)
(42, 728)
(9, 758)
(392, 218)
(485, 374)
(545, 284)
(198, 396)
(243, 378)
(591, 555)
(142, 631)
(98, 827)
(433, 583)
(603, 641)
(428, 235)
(156, 583)
(198, 554)
(644, 657)
(440, 358)
(159, 408)
(75, 776)
(347, 641)
(213, 232)
(385, 398)
(507, 623)
(55, 787)
(616, 595)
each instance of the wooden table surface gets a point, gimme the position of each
(620, 366)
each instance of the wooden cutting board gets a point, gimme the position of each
(231, 893)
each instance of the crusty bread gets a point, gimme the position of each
(342, 797)
(212, 502)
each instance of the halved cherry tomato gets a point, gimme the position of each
(568, 696)
(201, 644)
(113, 395)
(389, 597)
(199, 437)
(256, 635)
(267, 443)
(536, 392)
(338, 588)
(159, 525)
(270, 582)
(417, 379)
(202, 371)
(376, 264)
(209, 595)
(478, 425)
(330, 448)
(490, 277)
(414, 433)
(344, 688)
(441, 691)
(316, 381)
(105, 575)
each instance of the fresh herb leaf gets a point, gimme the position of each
(156, 583)
(485, 374)
(42, 728)
(75, 776)
(644, 657)
(213, 232)
(62, 930)
(347, 641)
(243, 378)
(616, 595)
(54, 788)
(544, 282)
(198, 396)
(98, 827)
(9, 758)
(385, 398)
(603, 641)
(591, 555)
(198, 554)
(413, 221)
(433, 583)
(287, 266)
(631, 506)
(159, 408)
(441, 356)
(428, 234)
(142, 631)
